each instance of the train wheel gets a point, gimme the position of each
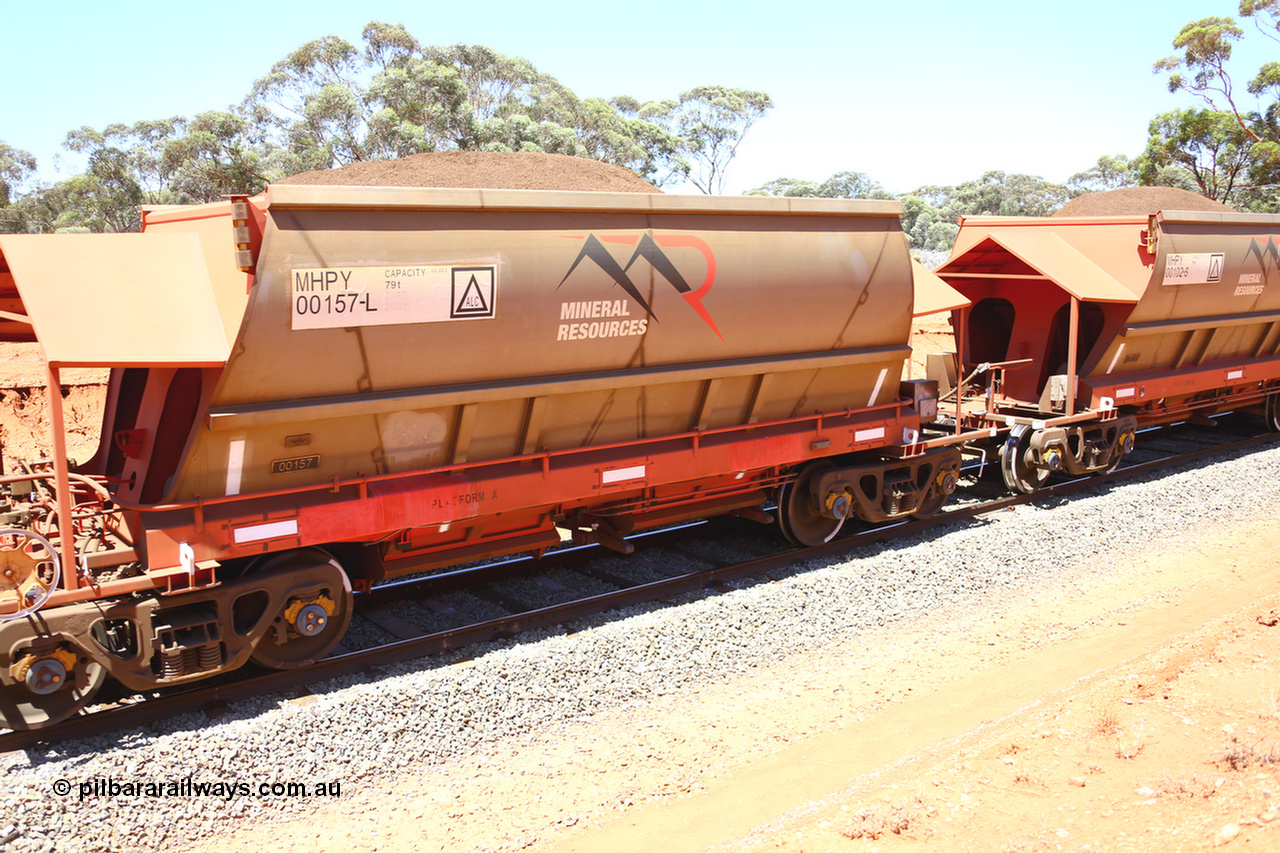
(1020, 475)
(940, 489)
(801, 522)
(931, 505)
(1273, 412)
(308, 625)
(53, 687)
(1124, 446)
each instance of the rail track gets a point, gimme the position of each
(503, 598)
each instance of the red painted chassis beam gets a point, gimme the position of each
(1233, 376)
(371, 509)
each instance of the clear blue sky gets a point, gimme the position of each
(916, 93)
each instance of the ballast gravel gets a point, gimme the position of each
(413, 716)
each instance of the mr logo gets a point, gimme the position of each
(1267, 255)
(650, 248)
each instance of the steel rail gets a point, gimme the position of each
(194, 699)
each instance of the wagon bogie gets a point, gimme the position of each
(1029, 456)
(820, 497)
(161, 640)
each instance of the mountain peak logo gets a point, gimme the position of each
(650, 249)
(1267, 254)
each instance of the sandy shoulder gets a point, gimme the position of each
(1046, 720)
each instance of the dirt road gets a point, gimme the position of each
(1143, 715)
(1151, 722)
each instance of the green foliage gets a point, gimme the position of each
(787, 187)
(611, 131)
(494, 83)
(331, 102)
(16, 166)
(418, 106)
(327, 104)
(1109, 173)
(314, 101)
(1206, 50)
(215, 155)
(1209, 144)
(170, 161)
(931, 214)
(1244, 166)
(710, 122)
(928, 228)
(839, 185)
(999, 194)
(521, 133)
(852, 185)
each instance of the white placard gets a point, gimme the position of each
(617, 475)
(1194, 268)
(270, 530)
(235, 466)
(868, 434)
(342, 297)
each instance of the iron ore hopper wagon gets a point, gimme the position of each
(1080, 331)
(321, 387)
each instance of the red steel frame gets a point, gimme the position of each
(684, 468)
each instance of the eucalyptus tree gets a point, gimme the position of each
(711, 122)
(16, 167)
(1210, 145)
(844, 184)
(1203, 67)
(329, 103)
(1111, 172)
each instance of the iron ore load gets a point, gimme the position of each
(324, 386)
(1083, 329)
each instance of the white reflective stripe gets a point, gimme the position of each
(868, 434)
(1235, 374)
(271, 530)
(635, 472)
(235, 466)
(1121, 393)
(1112, 366)
(880, 381)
